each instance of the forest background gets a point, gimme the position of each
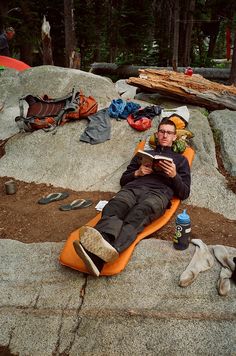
(139, 32)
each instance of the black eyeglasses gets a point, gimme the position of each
(166, 132)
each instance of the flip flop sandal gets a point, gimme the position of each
(76, 204)
(53, 197)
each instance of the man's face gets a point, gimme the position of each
(10, 35)
(166, 135)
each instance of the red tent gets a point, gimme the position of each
(13, 63)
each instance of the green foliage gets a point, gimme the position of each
(147, 55)
(179, 145)
(204, 111)
(202, 61)
(219, 65)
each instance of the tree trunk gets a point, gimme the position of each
(188, 33)
(193, 90)
(213, 36)
(125, 71)
(212, 43)
(3, 13)
(164, 34)
(46, 43)
(25, 40)
(98, 28)
(70, 38)
(113, 28)
(182, 31)
(176, 36)
(232, 78)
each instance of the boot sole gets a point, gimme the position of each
(85, 258)
(94, 242)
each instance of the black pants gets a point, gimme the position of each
(128, 213)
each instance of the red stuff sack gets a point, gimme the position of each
(141, 124)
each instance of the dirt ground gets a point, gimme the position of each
(23, 219)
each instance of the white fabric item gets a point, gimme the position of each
(100, 205)
(202, 261)
(181, 111)
(222, 256)
(223, 283)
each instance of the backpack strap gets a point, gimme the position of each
(46, 99)
(70, 105)
(21, 105)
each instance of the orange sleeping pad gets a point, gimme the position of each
(69, 258)
(13, 63)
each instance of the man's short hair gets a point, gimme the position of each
(167, 121)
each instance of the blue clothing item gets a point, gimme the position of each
(121, 109)
(129, 108)
(4, 48)
(116, 108)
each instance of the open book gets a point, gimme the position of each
(147, 159)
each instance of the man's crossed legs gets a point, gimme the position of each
(123, 218)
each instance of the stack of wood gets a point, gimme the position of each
(193, 89)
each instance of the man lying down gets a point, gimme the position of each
(145, 194)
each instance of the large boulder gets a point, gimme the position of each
(47, 309)
(51, 80)
(223, 123)
(209, 188)
(61, 159)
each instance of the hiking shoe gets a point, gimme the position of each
(92, 268)
(93, 241)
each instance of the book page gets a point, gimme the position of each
(145, 158)
(162, 158)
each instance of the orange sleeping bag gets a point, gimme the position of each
(69, 258)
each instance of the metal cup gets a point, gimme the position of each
(10, 187)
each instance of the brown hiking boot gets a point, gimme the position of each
(89, 263)
(93, 241)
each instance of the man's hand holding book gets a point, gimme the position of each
(150, 163)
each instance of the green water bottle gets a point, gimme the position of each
(182, 231)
